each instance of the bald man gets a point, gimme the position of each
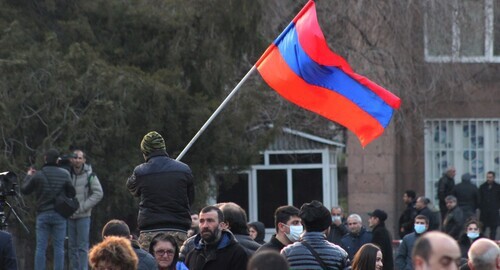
(436, 250)
(484, 254)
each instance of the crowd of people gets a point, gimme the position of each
(220, 236)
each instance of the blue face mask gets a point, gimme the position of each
(419, 228)
(473, 235)
(295, 232)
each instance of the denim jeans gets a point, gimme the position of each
(50, 224)
(78, 233)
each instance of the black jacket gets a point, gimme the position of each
(337, 232)
(382, 238)
(432, 216)
(273, 244)
(454, 222)
(489, 203)
(225, 254)
(165, 187)
(464, 242)
(48, 183)
(406, 219)
(467, 196)
(261, 231)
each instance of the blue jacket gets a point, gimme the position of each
(8, 259)
(403, 256)
(352, 243)
(299, 256)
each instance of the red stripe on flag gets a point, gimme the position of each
(329, 104)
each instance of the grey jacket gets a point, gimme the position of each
(88, 191)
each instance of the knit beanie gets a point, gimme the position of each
(315, 216)
(151, 142)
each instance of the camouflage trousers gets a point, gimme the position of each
(146, 237)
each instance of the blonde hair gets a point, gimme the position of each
(115, 250)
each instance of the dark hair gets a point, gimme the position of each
(422, 248)
(210, 208)
(115, 250)
(411, 194)
(422, 217)
(116, 227)
(366, 257)
(51, 156)
(235, 217)
(478, 223)
(283, 214)
(491, 172)
(315, 216)
(162, 237)
(267, 260)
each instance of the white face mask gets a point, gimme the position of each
(295, 232)
(336, 218)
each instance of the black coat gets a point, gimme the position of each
(454, 222)
(489, 203)
(406, 220)
(225, 254)
(336, 233)
(465, 243)
(166, 191)
(432, 216)
(467, 197)
(382, 238)
(273, 244)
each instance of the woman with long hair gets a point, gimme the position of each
(368, 257)
(166, 252)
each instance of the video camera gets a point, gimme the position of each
(64, 161)
(8, 182)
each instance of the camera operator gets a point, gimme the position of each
(48, 183)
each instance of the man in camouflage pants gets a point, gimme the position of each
(166, 191)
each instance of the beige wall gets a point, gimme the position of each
(371, 176)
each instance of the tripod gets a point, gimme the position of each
(10, 210)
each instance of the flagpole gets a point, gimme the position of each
(215, 113)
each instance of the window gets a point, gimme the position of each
(462, 31)
(470, 145)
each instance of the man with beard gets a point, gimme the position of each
(215, 248)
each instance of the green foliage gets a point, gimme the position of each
(99, 75)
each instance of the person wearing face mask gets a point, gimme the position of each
(403, 256)
(471, 234)
(288, 228)
(338, 228)
(314, 251)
